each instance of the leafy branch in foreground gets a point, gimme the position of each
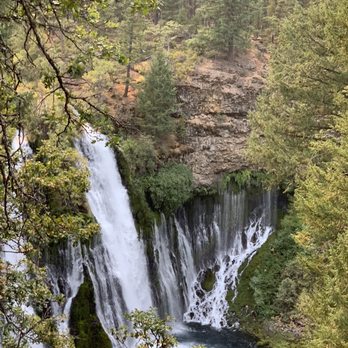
(42, 43)
(148, 330)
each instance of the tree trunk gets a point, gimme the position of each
(192, 6)
(231, 50)
(156, 17)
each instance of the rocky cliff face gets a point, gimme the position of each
(215, 100)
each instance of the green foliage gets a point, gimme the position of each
(269, 14)
(287, 295)
(244, 179)
(326, 304)
(157, 99)
(148, 330)
(200, 41)
(226, 26)
(299, 134)
(204, 191)
(170, 187)
(267, 282)
(17, 288)
(46, 209)
(144, 6)
(307, 70)
(142, 213)
(57, 186)
(141, 155)
(103, 74)
(322, 202)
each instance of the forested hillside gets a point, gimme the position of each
(197, 98)
(299, 135)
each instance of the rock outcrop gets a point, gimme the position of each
(215, 100)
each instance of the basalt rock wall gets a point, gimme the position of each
(215, 101)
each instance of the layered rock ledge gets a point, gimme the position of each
(215, 100)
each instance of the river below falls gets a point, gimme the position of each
(195, 334)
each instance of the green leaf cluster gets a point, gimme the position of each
(299, 135)
(170, 187)
(148, 330)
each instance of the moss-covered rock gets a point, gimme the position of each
(143, 215)
(208, 280)
(256, 305)
(84, 323)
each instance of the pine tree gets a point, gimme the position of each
(300, 134)
(157, 100)
(322, 204)
(307, 70)
(226, 25)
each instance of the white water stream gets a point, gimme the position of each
(210, 307)
(219, 236)
(67, 280)
(117, 262)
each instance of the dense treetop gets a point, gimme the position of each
(299, 134)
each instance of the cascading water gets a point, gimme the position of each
(65, 277)
(209, 307)
(216, 234)
(167, 275)
(116, 261)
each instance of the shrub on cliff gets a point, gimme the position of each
(170, 187)
(140, 154)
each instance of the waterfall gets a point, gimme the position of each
(116, 260)
(167, 275)
(212, 235)
(215, 234)
(65, 277)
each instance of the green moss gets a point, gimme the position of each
(204, 191)
(243, 179)
(143, 215)
(245, 292)
(258, 287)
(84, 323)
(208, 280)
